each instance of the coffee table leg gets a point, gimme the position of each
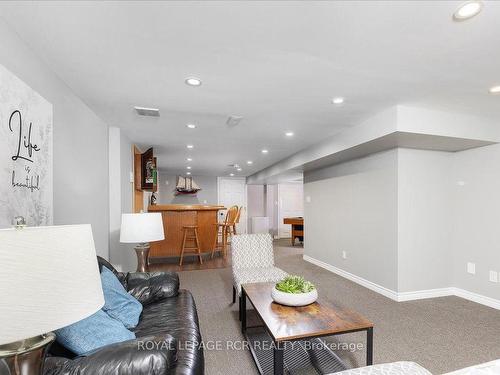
(243, 310)
(278, 359)
(369, 346)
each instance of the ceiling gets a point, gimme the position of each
(277, 64)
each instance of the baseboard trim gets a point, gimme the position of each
(358, 280)
(423, 294)
(478, 298)
(407, 296)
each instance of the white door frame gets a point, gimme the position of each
(244, 211)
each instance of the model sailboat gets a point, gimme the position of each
(186, 185)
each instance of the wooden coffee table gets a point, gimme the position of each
(286, 324)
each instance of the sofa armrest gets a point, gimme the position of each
(148, 287)
(150, 355)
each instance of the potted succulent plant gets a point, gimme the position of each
(294, 291)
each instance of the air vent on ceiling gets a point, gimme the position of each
(234, 120)
(143, 111)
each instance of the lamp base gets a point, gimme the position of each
(25, 357)
(142, 251)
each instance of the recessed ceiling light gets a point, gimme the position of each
(236, 165)
(468, 10)
(193, 81)
(189, 146)
(264, 151)
(231, 174)
(249, 162)
(495, 90)
(289, 134)
(338, 100)
(189, 159)
(188, 167)
(239, 169)
(191, 126)
(188, 173)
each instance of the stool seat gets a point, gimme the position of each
(190, 234)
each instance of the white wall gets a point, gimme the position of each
(475, 187)
(424, 220)
(120, 198)
(166, 192)
(353, 208)
(256, 200)
(80, 140)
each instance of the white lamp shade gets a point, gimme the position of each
(143, 227)
(49, 279)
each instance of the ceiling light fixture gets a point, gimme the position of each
(193, 81)
(249, 162)
(231, 174)
(468, 10)
(189, 159)
(495, 90)
(188, 167)
(264, 151)
(189, 146)
(239, 169)
(338, 100)
(289, 134)
(191, 126)
(188, 173)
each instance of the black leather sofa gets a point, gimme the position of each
(168, 339)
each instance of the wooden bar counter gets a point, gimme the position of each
(175, 216)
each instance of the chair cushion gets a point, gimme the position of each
(118, 304)
(94, 332)
(256, 275)
(252, 251)
(394, 368)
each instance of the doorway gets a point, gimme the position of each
(233, 192)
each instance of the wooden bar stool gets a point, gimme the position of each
(190, 234)
(224, 230)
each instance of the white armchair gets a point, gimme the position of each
(253, 261)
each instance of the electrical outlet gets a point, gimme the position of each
(471, 268)
(308, 199)
(494, 276)
(131, 177)
(344, 254)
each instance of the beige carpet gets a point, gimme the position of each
(442, 334)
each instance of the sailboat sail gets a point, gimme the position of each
(186, 185)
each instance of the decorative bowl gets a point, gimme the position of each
(294, 299)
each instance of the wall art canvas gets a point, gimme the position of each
(26, 184)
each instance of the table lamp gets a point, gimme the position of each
(142, 228)
(49, 280)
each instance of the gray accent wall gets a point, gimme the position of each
(425, 220)
(166, 190)
(80, 150)
(409, 220)
(353, 208)
(475, 188)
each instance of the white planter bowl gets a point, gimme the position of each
(294, 299)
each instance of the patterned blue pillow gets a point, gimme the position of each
(92, 333)
(118, 304)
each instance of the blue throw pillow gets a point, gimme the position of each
(118, 304)
(92, 333)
